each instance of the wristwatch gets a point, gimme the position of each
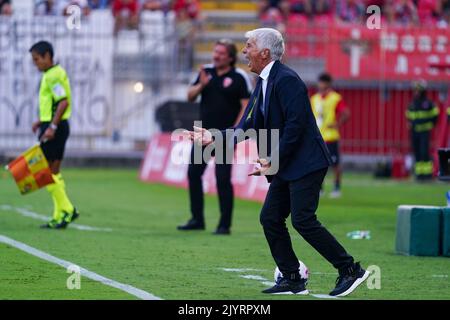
(53, 126)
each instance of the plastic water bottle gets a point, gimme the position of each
(359, 234)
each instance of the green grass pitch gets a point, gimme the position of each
(146, 251)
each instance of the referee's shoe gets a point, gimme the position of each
(67, 218)
(70, 217)
(53, 224)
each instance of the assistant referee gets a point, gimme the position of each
(55, 108)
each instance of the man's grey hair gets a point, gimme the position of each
(268, 38)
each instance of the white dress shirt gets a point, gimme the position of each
(264, 75)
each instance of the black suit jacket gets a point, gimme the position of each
(300, 146)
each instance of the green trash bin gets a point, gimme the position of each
(418, 230)
(445, 236)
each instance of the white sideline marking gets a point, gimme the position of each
(324, 296)
(262, 270)
(253, 277)
(439, 276)
(241, 270)
(141, 294)
(268, 283)
(34, 215)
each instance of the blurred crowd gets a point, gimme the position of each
(275, 13)
(126, 12)
(402, 13)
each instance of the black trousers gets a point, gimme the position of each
(301, 198)
(224, 190)
(421, 146)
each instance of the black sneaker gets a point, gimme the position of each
(348, 280)
(53, 224)
(285, 286)
(192, 225)
(70, 217)
(222, 231)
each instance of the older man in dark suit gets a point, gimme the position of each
(296, 166)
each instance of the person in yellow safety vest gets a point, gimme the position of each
(422, 114)
(331, 113)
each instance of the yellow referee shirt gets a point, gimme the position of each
(55, 87)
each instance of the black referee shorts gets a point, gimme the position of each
(333, 147)
(54, 149)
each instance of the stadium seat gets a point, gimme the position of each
(418, 230)
(228, 5)
(323, 20)
(299, 20)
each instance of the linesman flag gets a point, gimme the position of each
(31, 170)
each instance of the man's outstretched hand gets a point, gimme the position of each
(262, 169)
(200, 136)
